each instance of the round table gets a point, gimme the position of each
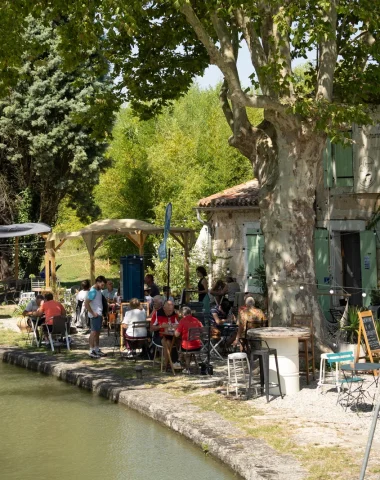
(285, 341)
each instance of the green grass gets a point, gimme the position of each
(10, 338)
(75, 261)
(322, 463)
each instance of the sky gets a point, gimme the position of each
(213, 75)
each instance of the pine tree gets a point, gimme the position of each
(53, 131)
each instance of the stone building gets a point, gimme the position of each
(346, 231)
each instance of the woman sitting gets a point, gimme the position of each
(249, 317)
(187, 322)
(135, 315)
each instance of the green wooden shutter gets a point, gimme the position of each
(255, 252)
(368, 263)
(322, 270)
(343, 158)
(327, 165)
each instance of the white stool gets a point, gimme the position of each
(238, 372)
(322, 374)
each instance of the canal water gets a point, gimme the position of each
(52, 430)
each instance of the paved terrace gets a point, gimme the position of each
(305, 436)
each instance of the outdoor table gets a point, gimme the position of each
(168, 340)
(285, 341)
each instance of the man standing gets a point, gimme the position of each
(149, 280)
(94, 306)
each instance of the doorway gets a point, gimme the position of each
(352, 275)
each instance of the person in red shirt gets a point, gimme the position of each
(50, 308)
(187, 322)
(161, 319)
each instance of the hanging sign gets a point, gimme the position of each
(162, 248)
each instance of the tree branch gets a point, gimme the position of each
(256, 50)
(328, 57)
(223, 99)
(226, 61)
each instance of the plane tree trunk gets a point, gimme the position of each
(287, 159)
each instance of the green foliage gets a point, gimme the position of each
(375, 297)
(177, 279)
(151, 161)
(51, 145)
(260, 280)
(352, 327)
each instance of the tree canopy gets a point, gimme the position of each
(157, 47)
(180, 156)
(50, 144)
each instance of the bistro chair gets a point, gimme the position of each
(60, 329)
(333, 359)
(136, 343)
(350, 388)
(194, 333)
(307, 352)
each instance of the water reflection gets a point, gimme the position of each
(51, 430)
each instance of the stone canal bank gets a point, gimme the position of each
(301, 437)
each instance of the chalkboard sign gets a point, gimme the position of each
(367, 328)
(370, 330)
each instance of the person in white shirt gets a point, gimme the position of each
(81, 312)
(134, 315)
(94, 306)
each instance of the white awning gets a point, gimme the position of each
(21, 229)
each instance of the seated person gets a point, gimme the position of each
(161, 318)
(248, 315)
(219, 314)
(31, 310)
(50, 308)
(136, 314)
(187, 322)
(110, 293)
(147, 296)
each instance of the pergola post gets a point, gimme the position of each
(92, 268)
(50, 265)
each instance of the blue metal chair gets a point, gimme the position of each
(350, 389)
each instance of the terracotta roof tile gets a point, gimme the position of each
(243, 195)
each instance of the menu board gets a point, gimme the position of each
(368, 330)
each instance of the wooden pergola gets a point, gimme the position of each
(95, 234)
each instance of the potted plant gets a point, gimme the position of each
(261, 282)
(350, 332)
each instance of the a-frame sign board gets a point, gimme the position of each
(367, 329)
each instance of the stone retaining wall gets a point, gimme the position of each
(251, 458)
